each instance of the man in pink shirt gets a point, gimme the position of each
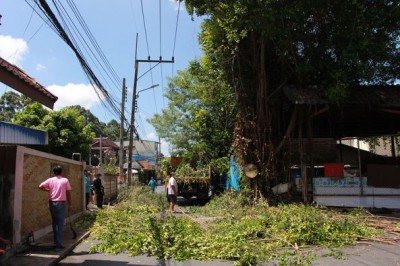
(59, 191)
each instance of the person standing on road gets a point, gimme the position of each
(87, 188)
(59, 191)
(152, 183)
(99, 190)
(172, 192)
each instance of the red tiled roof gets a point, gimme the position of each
(105, 143)
(36, 87)
(146, 165)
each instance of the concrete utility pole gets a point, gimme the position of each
(121, 131)
(132, 128)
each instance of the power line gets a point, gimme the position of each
(34, 34)
(161, 68)
(148, 50)
(87, 47)
(146, 38)
(46, 10)
(176, 30)
(29, 22)
(94, 42)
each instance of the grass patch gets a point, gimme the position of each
(247, 234)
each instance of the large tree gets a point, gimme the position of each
(199, 119)
(31, 116)
(112, 130)
(90, 119)
(11, 103)
(67, 128)
(266, 45)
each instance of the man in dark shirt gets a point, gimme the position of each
(99, 189)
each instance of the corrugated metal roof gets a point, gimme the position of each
(135, 165)
(15, 134)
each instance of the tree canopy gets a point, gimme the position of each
(68, 130)
(112, 130)
(199, 118)
(11, 103)
(263, 46)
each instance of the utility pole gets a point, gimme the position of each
(132, 128)
(121, 132)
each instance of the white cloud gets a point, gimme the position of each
(151, 136)
(175, 4)
(74, 94)
(40, 67)
(165, 148)
(12, 49)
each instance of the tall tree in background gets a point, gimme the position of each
(67, 128)
(264, 46)
(69, 133)
(11, 103)
(199, 119)
(31, 116)
(112, 130)
(90, 119)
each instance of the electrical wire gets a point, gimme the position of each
(94, 42)
(115, 79)
(176, 31)
(96, 84)
(161, 67)
(23, 34)
(73, 31)
(47, 21)
(29, 22)
(34, 34)
(148, 51)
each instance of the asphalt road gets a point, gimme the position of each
(80, 255)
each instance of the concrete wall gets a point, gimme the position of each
(110, 187)
(351, 192)
(31, 211)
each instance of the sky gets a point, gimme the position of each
(29, 42)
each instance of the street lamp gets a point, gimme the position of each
(130, 148)
(151, 87)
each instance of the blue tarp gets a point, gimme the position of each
(233, 180)
(150, 159)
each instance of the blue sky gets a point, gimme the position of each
(27, 41)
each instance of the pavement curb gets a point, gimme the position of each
(68, 249)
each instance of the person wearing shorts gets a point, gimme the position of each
(172, 192)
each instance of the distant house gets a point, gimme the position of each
(104, 144)
(145, 152)
(145, 155)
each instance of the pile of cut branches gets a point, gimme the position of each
(237, 231)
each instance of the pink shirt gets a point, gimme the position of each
(57, 187)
